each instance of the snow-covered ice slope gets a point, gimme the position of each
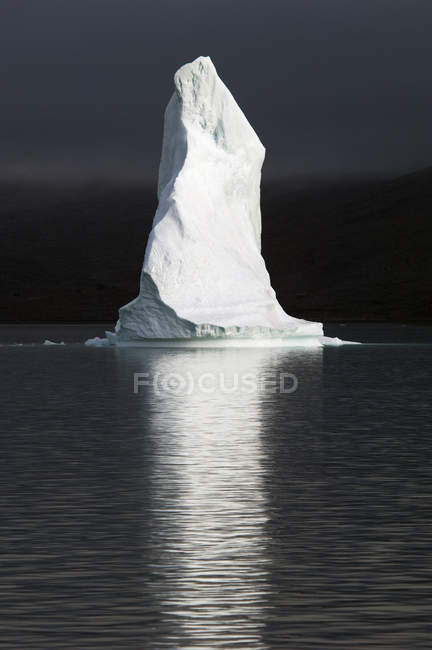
(203, 274)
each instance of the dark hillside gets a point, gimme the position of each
(358, 251)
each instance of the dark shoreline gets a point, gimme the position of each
(337, 250)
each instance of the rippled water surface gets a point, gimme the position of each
(216, 506)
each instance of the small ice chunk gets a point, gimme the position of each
(97, 342)
(329, 341)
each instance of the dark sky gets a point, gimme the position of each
(331, 86)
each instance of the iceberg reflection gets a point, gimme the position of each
(210, 500)
(206, 537)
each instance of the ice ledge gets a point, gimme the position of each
(292, 341)
(148, 317)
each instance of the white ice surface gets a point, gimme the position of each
(203, 275)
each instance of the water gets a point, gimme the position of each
(205, 513)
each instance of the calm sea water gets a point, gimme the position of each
(216, 506)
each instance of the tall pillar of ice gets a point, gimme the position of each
(203, 273)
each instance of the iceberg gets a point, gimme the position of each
(204, 280)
